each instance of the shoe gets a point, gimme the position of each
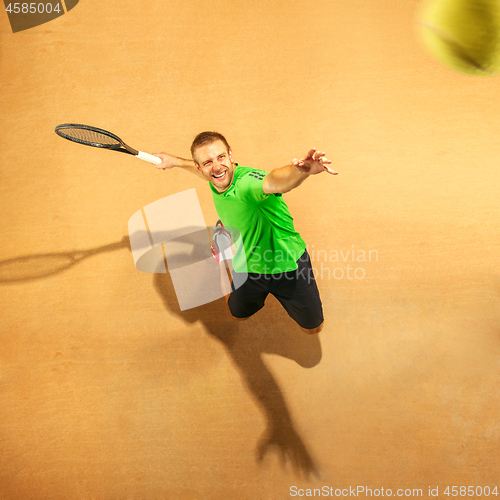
(221, 242)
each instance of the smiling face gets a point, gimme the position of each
(215, 162)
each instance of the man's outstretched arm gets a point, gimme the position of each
(170, 161)
(282, 180)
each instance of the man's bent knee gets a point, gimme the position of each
(232, 316)
(313, 330)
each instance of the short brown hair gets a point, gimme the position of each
(207, 138)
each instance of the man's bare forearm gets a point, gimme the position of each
(169, 161)
(284, 179)
(189, 166)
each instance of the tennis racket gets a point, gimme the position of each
(98, 138)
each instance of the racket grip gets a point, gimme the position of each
(148, 157)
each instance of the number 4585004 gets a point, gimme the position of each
(33, 8)
(470, 491)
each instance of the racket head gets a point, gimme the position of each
(92, 136)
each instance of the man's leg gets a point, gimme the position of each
(245, 295)
(314, 330)
(298, 293)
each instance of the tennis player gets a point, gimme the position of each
(275, 258)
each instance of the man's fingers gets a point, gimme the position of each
(311, 153)
(319, 154)
(314, 156)
(160, 165)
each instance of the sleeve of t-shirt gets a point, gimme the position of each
(250, 186)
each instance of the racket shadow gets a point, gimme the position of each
(34, 267)
(270, 331)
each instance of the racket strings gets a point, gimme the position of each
(89, 136)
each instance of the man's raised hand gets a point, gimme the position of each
(313, 163)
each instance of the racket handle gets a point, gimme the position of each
(148, 157)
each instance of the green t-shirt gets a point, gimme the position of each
(271, 244)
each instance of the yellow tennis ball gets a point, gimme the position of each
(463, 34)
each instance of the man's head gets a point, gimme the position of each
(214, 159)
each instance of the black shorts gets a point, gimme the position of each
(296, 290)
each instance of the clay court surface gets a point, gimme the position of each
(108, 391)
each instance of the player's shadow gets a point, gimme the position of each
(270, 331)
